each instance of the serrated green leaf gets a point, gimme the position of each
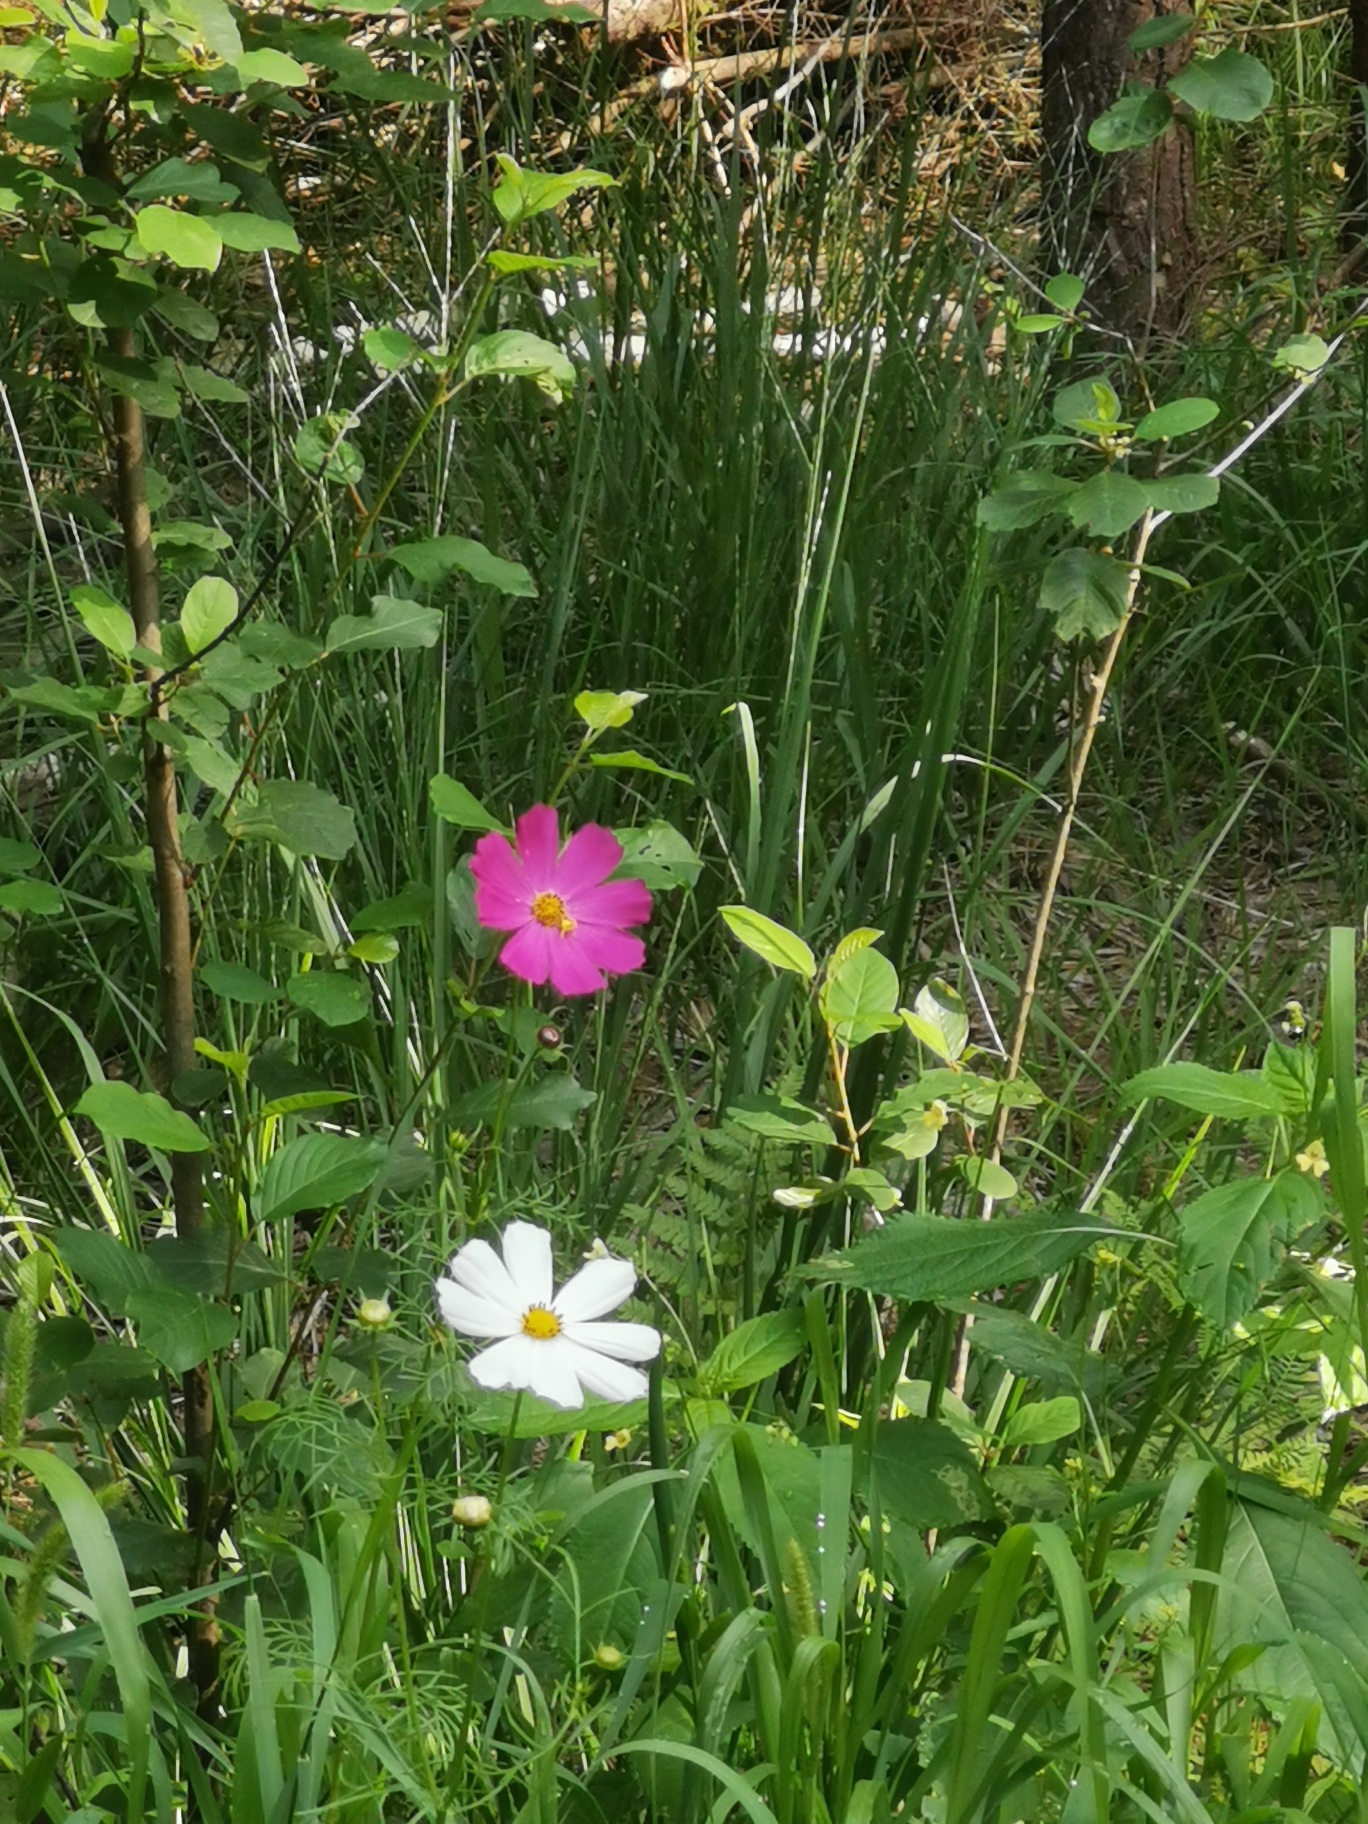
(178, 1328)
(1229, 1095)
(924, 1259)
(1232, 1238)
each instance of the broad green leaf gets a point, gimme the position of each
(209, 609)
(1232, 85)
(567, 12)
(455, 803)
(1109, 504)
(1303, 356)
(375, 947)
(1030, 496)
(556, 1101)
(1042, 1422)
(186, 314)
(235, 982)
(390, 351)
(849, 945)
(85, 703)
(317, 1172)
(1034, 1353)
(188, 241)
(330, 996)
(179, 1328)
(125, 1113)
(302, 817)
(255, 233)
(516, 354)
(274, 67)
(1178, 418)
(866, 1182)
(602, 709)
(276, 644)
(104, 619)
(204, 383)
(105, 1267)
(1232, 1239)
(233, 674)
(658, 855)
(631, 761)
(1191, 492)
(754, 1351)
(781, 948)
(1155, 33)
(197, 182)
(780, 1118)
(1065, 292)
(1290, 1588)
(520, 194)
(321, 448)
(409, 910)
(392, 624)
(430, 560)
(211, 764)
(1085, 592)
(1133, 121)
(152, 384)
(926, 1476)
(922, 1258)
(32, 897)
(1231, 1095)
(214, 25)
(1036, 323)
(859, 997)
(17, 857)
(1086, 404)
(988, 1179)
(504, 261)
(108, 59)
(939, 1021)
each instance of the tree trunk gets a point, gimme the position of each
(1355, 225)
(1124, 221)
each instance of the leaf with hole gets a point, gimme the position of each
(124, 1113)
(658, 855)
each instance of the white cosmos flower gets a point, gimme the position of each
(549, 1343)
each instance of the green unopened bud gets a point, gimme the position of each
(374, 1313)
(472, 1511)
(607, 1657)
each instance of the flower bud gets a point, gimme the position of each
(374, 1313)
(472, 1510)
(549, 1038)
(607, 1657)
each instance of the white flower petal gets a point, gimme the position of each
(478, 1268)
(506, 1365)
(472, 1315)
(527, 1255)
(554, 1377)
(603, 1377)
(597, 1289)
(624, 1342)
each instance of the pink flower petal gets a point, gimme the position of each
(527, 1255)
(615, 952)
(498, 910)
(616, 902)
(478, 1268)
(494, 863)
(471, 1315)
(606, 1379)
(528, 953)
(625, 1342)
(539, 848)
(599, 1287)
(590, 857)
(573, 968)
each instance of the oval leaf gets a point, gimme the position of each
(780, 947)
(317, 1172)
(125, 1113)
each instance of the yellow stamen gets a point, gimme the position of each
(549, 909)
(541, 1323)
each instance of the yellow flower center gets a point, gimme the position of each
(541, 1323)
(549, 909)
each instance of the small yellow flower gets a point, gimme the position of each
(1313, 1160)
(617, 1440)
(472, 1511)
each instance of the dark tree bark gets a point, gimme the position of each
(1124, 221)
(1355, 225)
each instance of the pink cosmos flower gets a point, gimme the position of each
(567, 918)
